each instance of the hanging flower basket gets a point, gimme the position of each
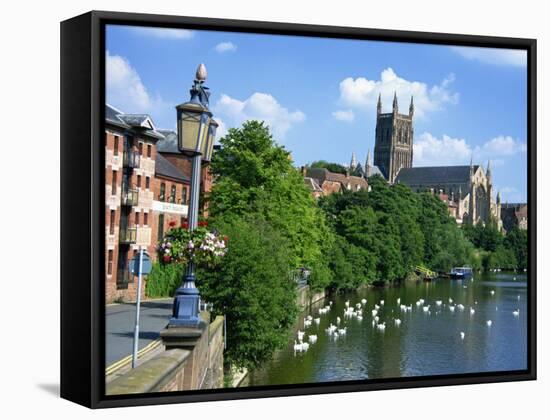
(205, 248)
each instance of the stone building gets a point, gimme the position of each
(514, 214)
(146, 192)
(393, 148)
(468, 190)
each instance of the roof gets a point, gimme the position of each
(312, 185)
(169, 144)
(142, 122)
(427, 175)
(322, 174)
(164, 168)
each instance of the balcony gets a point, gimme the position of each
(123, 278)
(131, 159)
(127, 235)
(129, 197)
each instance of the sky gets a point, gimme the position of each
(318, 95)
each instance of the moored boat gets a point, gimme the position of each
(461, 273)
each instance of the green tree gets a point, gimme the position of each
(516, 241)
(253, 289)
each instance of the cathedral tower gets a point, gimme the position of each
(393, 148)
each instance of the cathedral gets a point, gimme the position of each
(467, 190)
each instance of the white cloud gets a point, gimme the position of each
(259, 106)
(165, 33)
(124, 87)
(225, 47)
(346, 116)
(362, 93)
(496, 56)
(222, 128)
(432, 151)
(428, 150)
(502, 146)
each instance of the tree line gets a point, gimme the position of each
(274, 226)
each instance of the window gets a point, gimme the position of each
(140, 147)
(160, 232)
(110, 262)
(139, 181)
(173, 194)
(145, 219)
(114, 182)
(149, 149)
(183, 195)
(112, 223)
(137, 218)
(147, 182)
(162, 191)
(115, 146)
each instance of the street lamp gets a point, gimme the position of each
(196, 134)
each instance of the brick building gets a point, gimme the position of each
(514, 214)
(146, 190)
(321, 181)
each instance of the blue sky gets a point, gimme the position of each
(319, 95)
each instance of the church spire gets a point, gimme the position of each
(395, 106)
(353, 162)
(411, 107)
(489, 169)
(368, 165)
(379, 105)
(498, 197)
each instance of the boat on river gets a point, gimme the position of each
(460, 273)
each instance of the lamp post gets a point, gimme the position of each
(196, 135)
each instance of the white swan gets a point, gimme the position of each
(338, 320)
(312, 339)
(516, 312)
(382, 302)
(300, 335)
(451, 308)
(317, 320)
(363, 301)
(492, 292)
(381, 327)
(374, 312)
(359, 317)
(438, 302)
(347, 303)
(399, 301)
(297, 347)
(472, 311)
(342, 331)
(462, 335)
(489, 323)
(426, 308)
(398, 322)
(450, 300)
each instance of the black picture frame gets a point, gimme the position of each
(83, 220)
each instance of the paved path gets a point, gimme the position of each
(154, 316)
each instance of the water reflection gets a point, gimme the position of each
(425, 343)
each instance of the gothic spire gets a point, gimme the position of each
(411, 107)
(395, 106)
(471, 167)
(498, 197)
(353, 162)
(368, 165)
(379, 105)
(489, 169)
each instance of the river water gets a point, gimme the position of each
(427, 342)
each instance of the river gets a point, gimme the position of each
(427, 342)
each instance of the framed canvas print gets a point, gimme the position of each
(255, 209)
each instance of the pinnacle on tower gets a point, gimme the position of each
(489, 168)
(498, 197)
(395, 106)
(411, 107)
(379, 105)
(353, 162)
(368, 165)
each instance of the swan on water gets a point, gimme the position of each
(489, 323)
(472, 311)
(492, 292)
(363, 301)
(338, 319)
(462, 335)
(399, 301)
(342, 331)
(382, 302)
(374, 312)
(451, 308)
(300, 335)
(312, 339)
(516, 312)
(397, 322)
(438, 302)
(450, 300)
(346, 303)
(426, 308)
(317, 320)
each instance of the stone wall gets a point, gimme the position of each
(193, 364)
(306, 297)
